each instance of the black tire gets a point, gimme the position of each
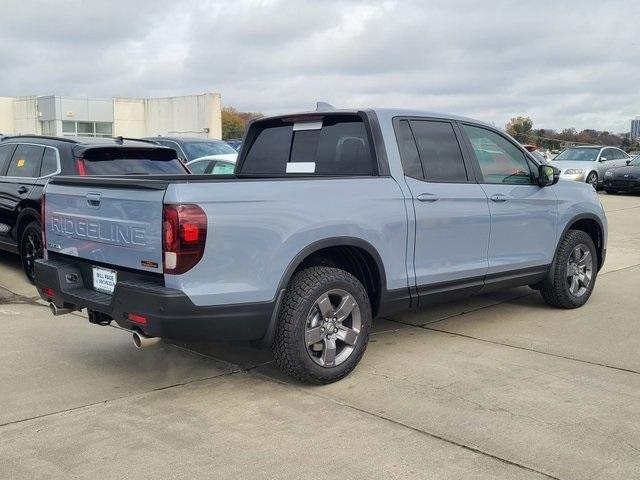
(592, 179)
(300, 302)
(30, 248)
(556, 291)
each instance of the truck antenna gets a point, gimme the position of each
(324, 106)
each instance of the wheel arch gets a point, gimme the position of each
(592, 226)
(28, 212)
(355, 255)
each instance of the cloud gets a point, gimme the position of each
(566, 64)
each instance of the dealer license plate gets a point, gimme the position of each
(104, 280)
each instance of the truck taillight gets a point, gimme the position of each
(81, 169)
(43, 226)
(184, 233)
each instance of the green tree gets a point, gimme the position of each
(521, 128)
(232, 124)
(235, 122)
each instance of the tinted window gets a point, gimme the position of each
(439, 151)
(128, 161)
(408, 151)
(49, 162)
(500, 160)
(269, 152)
(5, 155)
(339, 147)
(26, 161)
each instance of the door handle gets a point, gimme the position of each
(428, 197)
(22, 190)
(498, 197)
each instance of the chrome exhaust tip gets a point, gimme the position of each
(58, 311)
(140, 340)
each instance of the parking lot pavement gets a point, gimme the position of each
(499, 386)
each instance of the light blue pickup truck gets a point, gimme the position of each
(332, 218)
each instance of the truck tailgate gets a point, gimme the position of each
(121, 226)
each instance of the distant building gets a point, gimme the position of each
(635, 127)
(192, 115)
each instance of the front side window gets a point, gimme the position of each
(500, 160)
(336, 145)
(26, 161)
(439, 151)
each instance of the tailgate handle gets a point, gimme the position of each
(93, 199)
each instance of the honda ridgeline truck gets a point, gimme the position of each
(332, 218)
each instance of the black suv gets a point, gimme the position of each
(190, 148)
(27, 163)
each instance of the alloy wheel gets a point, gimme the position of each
(579, 270)
(593, 180)
(332, 328)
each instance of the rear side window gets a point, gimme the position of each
(408, 151)
(439, 151)
(333, 145)
(26, 161)
(131, 161)
(49, 162)
(5, 155)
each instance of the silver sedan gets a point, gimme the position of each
(588, 163)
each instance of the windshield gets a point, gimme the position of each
(579, 154)
(203, 149)
(124, 161)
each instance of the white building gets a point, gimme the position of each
(192, 115)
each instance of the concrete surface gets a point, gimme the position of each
(499, 386)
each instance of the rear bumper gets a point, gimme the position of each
(169, 313)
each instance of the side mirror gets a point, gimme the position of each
(628, 162)
(548, 175)
(603, 159)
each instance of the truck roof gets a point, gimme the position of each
(102, 141)
(381, 113)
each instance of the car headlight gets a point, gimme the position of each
(573, 171)
(608, 174)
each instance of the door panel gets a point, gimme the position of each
(451, 213)
(523, 215)
(452, 231)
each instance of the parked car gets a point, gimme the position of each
(190, 148)
(588, 163)
(332, 218)
(236, 143)
(28, 162)
(213, 165)
(623, 178)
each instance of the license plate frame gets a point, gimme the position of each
(104, 280)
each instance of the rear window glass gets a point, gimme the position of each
(339, 147)
(129, 161)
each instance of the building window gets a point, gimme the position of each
(48, 127)
(87, 129)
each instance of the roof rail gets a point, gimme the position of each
(46, 137)
(143, 140)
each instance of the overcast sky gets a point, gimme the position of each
(565, 63)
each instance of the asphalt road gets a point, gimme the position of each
(499, 386)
